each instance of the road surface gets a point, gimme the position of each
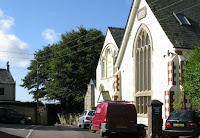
(33, 131)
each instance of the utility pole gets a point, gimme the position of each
(37, 93)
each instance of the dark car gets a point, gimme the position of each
(11, 116)
(114, 117)
(183, 123)
(84, 119)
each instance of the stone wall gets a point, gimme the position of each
(89, 103)
(29, 111)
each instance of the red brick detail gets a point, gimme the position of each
(169, 72)
(180, 72)
(184, 100)
(115, 98)
(173, 74)
(117, 82)
(172, 64)
(168, 101)
(174, 67)
(171, 101)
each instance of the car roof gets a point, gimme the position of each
(185, 110)
(117, 103)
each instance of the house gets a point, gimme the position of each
(146, 64)
(7, 85)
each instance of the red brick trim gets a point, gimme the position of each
(117, 82)
(184, 100)
(180, 72)
(115, 98)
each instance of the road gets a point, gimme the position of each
(33, 131)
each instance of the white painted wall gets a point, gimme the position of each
(161, 45)
(108, 81)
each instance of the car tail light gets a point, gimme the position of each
(87, 118)
(168, 125)
(105, 120)
(191, 125)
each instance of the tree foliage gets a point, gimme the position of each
(30, 81)
(191, 77)
(177, 104)
(66, 67)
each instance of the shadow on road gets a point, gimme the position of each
(6, 135)
(44, 128)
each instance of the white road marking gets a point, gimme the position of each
(31, 131)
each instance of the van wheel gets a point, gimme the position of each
(102, 134)
(91, 129)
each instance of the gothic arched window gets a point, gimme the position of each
(143, 59)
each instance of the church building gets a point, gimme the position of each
(144, 61)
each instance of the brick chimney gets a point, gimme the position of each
(7, 66)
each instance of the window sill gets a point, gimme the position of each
(142, 115)
(107, 78)
(143, 93)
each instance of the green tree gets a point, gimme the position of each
(73, 64)
(30, 80)
(177, 104)
(191, 77)
(68, 67)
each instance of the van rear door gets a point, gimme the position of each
(122, 116)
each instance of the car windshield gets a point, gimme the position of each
(181, 115)
(91, 113)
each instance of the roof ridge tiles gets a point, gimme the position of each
(116, 27)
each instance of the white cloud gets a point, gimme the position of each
(1, 13)
(50, 36)
(12, 49)
(6, 22)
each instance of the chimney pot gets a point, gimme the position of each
(8, 66)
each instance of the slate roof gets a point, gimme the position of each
(6, 77)
(181, 36)
(118, 34)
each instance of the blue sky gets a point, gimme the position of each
(29, 25)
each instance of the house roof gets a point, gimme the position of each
(118, 34)
(181, 36)
(6, 77)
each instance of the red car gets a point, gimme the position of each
(118, 117)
